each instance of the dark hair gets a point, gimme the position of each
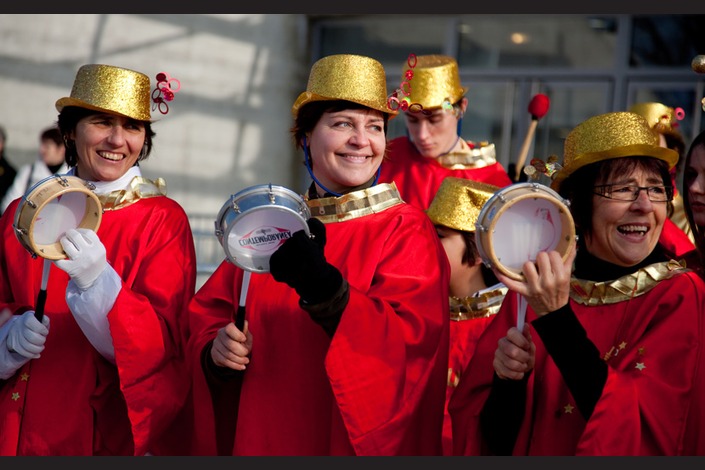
(471, 253)
(578, 188)
(688, 176)
(53, 134)
(310, 113)
(68, 120)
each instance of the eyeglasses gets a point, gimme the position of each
(630, 192)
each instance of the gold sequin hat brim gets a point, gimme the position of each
(610, 135)
(348, 77)
(435, 81)
(110, 89)
(458, 202)
(659, 116)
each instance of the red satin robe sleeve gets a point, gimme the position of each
(377, 387)
(651, 401)
(72, 401)
(418, 178)
(675, 240)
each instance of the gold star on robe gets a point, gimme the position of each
(568, 409)
(641, 351)
(24, 377)
(15, 396)
(640, 366)
(622, 345)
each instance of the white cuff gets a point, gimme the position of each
(90, 308)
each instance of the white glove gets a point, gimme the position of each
(86, 256)
(27, 335)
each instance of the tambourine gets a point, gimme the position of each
(518, 222)
(51, 207)
(256, 221)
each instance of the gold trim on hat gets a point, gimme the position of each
(607, 136)
(458, 202)
(111, 89)
(355, 204)
(349, 77)
(435, 81)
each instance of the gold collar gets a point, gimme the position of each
(355, 204)
(481, 155)
(139, 188)
(626, 287)
(484, 305)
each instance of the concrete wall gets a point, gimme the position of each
(228, 126)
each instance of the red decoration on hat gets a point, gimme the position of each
(164, 91)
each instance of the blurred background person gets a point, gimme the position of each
(664, 120)
(433, 148)
(50, 161)
(694, 200)
(7, 170)
(475, 293)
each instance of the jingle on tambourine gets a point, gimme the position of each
(518, 222)
(254, 222)
(51, 207)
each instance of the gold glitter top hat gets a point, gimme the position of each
(110, 89)
(661, 117)
(435, 81)
(610, 135)
(348, 77)
(458, 203)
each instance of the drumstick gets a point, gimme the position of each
(538, 107)
(42, 296)
(240, 316)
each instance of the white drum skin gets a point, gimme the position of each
(51, 207)
(255, 222)
(518, 222)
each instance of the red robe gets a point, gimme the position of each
(674, 239)
(377, 386)
(651, 403)
(72, 401)
(469, 318)
(418, 178)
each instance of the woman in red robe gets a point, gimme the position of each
(345, 346)
(103, 371)
(610, 358)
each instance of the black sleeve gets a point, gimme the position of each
(328, 313)
(577, 358)
(503, 413)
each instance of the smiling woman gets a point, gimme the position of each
(345, 349)
(591, 372)
(110, 379)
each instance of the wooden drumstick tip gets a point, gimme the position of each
(698, 64)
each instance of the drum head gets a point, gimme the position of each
(255, 222)
(520, 221)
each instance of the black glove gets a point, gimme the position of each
(301, 264)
